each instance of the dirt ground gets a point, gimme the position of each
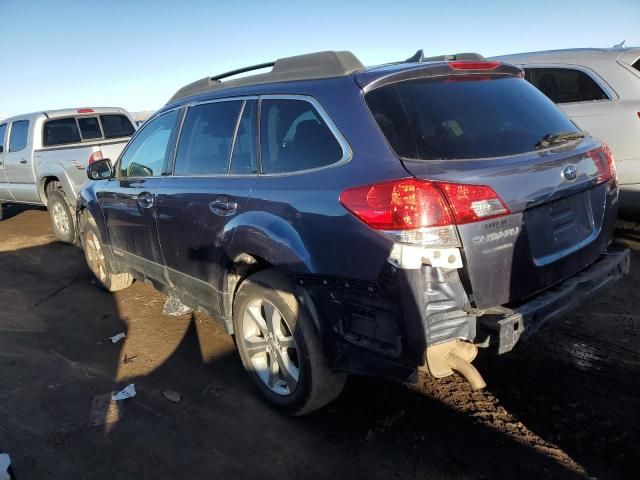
(564, 405)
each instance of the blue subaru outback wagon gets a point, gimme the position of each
(338, 219)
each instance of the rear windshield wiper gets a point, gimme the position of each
(557, 138)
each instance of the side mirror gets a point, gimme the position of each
(100, 170)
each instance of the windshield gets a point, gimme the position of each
(465, 118)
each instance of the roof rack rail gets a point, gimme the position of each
(301, 67)
(238, 71)
(419, 57)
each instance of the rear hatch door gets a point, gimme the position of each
(502, 132)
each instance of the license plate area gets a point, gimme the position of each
(559, 228)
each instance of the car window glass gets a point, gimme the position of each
(18, 137)
(637, 65)
(3, 131)
(431, 119)
(60, 132)
(116, 126)
(566, 85)
(294, 137)
(147, 153)
(89, 128)
(206, 139)
(243, 160)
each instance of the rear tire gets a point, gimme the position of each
(280, 347)
(62, 220)
(96, 260)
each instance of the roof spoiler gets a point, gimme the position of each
(419, 57)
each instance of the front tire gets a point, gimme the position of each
(61, 218)
(280, 348)
(96, 260)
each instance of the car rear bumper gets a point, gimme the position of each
(502, 328)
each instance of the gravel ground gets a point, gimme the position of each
(563, 405)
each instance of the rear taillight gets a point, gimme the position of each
(422, 212)
(605, 164)
(474, 65)
(95, 156)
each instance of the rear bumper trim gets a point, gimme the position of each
(506, 327)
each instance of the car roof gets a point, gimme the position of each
(308, 67)
(574, 55)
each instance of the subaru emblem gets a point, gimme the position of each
(570, 172)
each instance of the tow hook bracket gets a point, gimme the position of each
(455, 355)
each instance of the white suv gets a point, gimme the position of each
(599, 89)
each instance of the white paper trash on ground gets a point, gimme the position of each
(117, 338)
(5, 463)
(174, 307)
(127, 392)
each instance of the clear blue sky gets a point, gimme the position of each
(136, 54)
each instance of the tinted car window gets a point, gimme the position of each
(206, 139)
(3, 131)
(637, 65)
(566, 85)
(433, 119)
(148, 151)
(243, 160)
(294, 137)
(89, 128)
(60, 132)
(115, 126)
(18, 137)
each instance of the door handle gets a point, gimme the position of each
(23, 161)
(224, 208)
(145, 200)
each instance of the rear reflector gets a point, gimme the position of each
(416, 205)
(474, 65)
(95, 156)
(85, 110)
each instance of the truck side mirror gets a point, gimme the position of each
(100, 170)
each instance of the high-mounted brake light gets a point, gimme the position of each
(605, 164)
(85, 110)
(95, 156)
(474, 65)
(420, 211)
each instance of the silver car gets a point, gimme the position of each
(599, 89)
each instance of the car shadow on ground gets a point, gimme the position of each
(55, 356)
(11, 210)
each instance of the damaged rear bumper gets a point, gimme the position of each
(501, 328)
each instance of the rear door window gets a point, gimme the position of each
(60, 132)
(207, 138)
(89, 128)
(432, 119)
(3, 131)
(294, 137)
(566, 85)
(243, 160)
(116, 126)
(19, 135)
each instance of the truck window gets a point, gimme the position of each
(566, 85)
(89, 128)
(60, 132)
(18, 137)
(116, 125)
(3, 130)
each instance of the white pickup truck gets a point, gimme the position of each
(44, 155)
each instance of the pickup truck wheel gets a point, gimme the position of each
(280, 348)
(61, 217)
(97, 262)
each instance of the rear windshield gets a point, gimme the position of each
(431, 119)
(63, 131)
(115, 126)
